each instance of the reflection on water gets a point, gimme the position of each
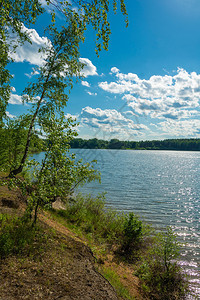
(161, 186)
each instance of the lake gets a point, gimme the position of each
(162, 187)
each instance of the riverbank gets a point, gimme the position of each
(77, 253)
(57, 262)
(169, 144)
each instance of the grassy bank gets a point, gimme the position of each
(138, 263)
(150, 257)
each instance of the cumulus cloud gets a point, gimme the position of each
(89, 69)
(181, 128)
(167, 97)
(74, 117)
(18, 100)
(114, 70)
(110, 121)
(28, 52)
(15, 99)
(85, 83)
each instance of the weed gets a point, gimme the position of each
(114, 280)
(91, 216)
(131, 240)
(16, 235)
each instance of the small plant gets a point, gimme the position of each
(132, 234)
(160, 275)
(16, 235)
(91, 216)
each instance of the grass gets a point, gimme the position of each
(125, 236)
(130, 241)
(17, 236)
(114, 280)
(103, 225)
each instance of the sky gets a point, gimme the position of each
(145, 87)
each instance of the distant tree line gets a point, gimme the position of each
(169, 144)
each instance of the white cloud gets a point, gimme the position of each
(13, 89)
(18, 100)
(114, 70)
(74, 117)
(15, 99)
(85, 83)
(89, 69)
(28, 52)
(167, 97)
(10, 115)
(111, 121)
(33, 73)
(92, 94)
(184, 128)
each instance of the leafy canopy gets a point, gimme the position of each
(58, 173)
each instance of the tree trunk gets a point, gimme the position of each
(20, 168)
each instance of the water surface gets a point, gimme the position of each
(161, 186)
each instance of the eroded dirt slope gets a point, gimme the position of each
(62, 268)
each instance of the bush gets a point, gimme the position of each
(124, 232)
(132, 234)
(160, 275)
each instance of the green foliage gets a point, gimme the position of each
(93, 218)
(12, 143)
(114, 279)
(161, 277)
(47, 96)
(132, 235)
(125, 232)
(77, 15)
(59, 172)
(12, 16)
(169, 144)
(17, 236)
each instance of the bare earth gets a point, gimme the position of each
(64, 269)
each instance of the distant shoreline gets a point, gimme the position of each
(137, 149)
(115, 144)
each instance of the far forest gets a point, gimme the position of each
(168, 144)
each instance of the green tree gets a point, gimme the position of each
(12, 140)
(59, 172)
(48, 95)
(62, 60)
(13, 14)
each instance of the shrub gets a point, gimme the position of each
(132, 233)
(160, 275)
(124, 232)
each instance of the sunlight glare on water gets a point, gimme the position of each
(161, 186)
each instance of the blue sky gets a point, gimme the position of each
(147, 86)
